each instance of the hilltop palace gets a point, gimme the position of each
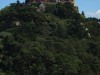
(30, 1)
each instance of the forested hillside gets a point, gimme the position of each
(49, 39)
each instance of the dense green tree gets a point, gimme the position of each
(59, 41)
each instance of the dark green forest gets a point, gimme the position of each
(51, 40)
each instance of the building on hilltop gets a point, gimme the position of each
(30, 1)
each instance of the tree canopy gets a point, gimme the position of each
(57, 41)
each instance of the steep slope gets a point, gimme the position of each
(50, 42)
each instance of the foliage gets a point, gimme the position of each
(54, 42)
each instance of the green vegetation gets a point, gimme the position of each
(57, 41)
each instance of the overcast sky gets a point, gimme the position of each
(90, 7)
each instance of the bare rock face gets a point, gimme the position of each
(41, 8)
